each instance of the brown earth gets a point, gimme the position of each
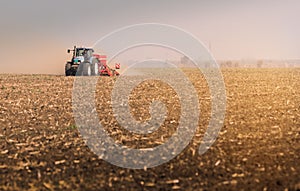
(257, 149)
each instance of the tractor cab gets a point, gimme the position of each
(79, 53)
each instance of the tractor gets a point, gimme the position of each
(85, 63)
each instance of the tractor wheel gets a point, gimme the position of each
(68, 69)
(79, 70)
(86, 69)
(95, 68)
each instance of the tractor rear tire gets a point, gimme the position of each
(95, 68)
(68, 69)
(86, 69)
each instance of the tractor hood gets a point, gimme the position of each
(78, 59)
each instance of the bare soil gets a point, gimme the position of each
(257, 149)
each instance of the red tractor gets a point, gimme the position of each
(85, 63)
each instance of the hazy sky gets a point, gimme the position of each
(36, 33)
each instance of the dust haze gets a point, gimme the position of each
(35, 59)
(36, 34)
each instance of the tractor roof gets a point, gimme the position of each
(85, 48)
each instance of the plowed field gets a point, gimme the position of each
(258, 148)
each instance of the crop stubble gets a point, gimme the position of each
(258, 147)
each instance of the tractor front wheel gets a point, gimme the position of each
(68, 69)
